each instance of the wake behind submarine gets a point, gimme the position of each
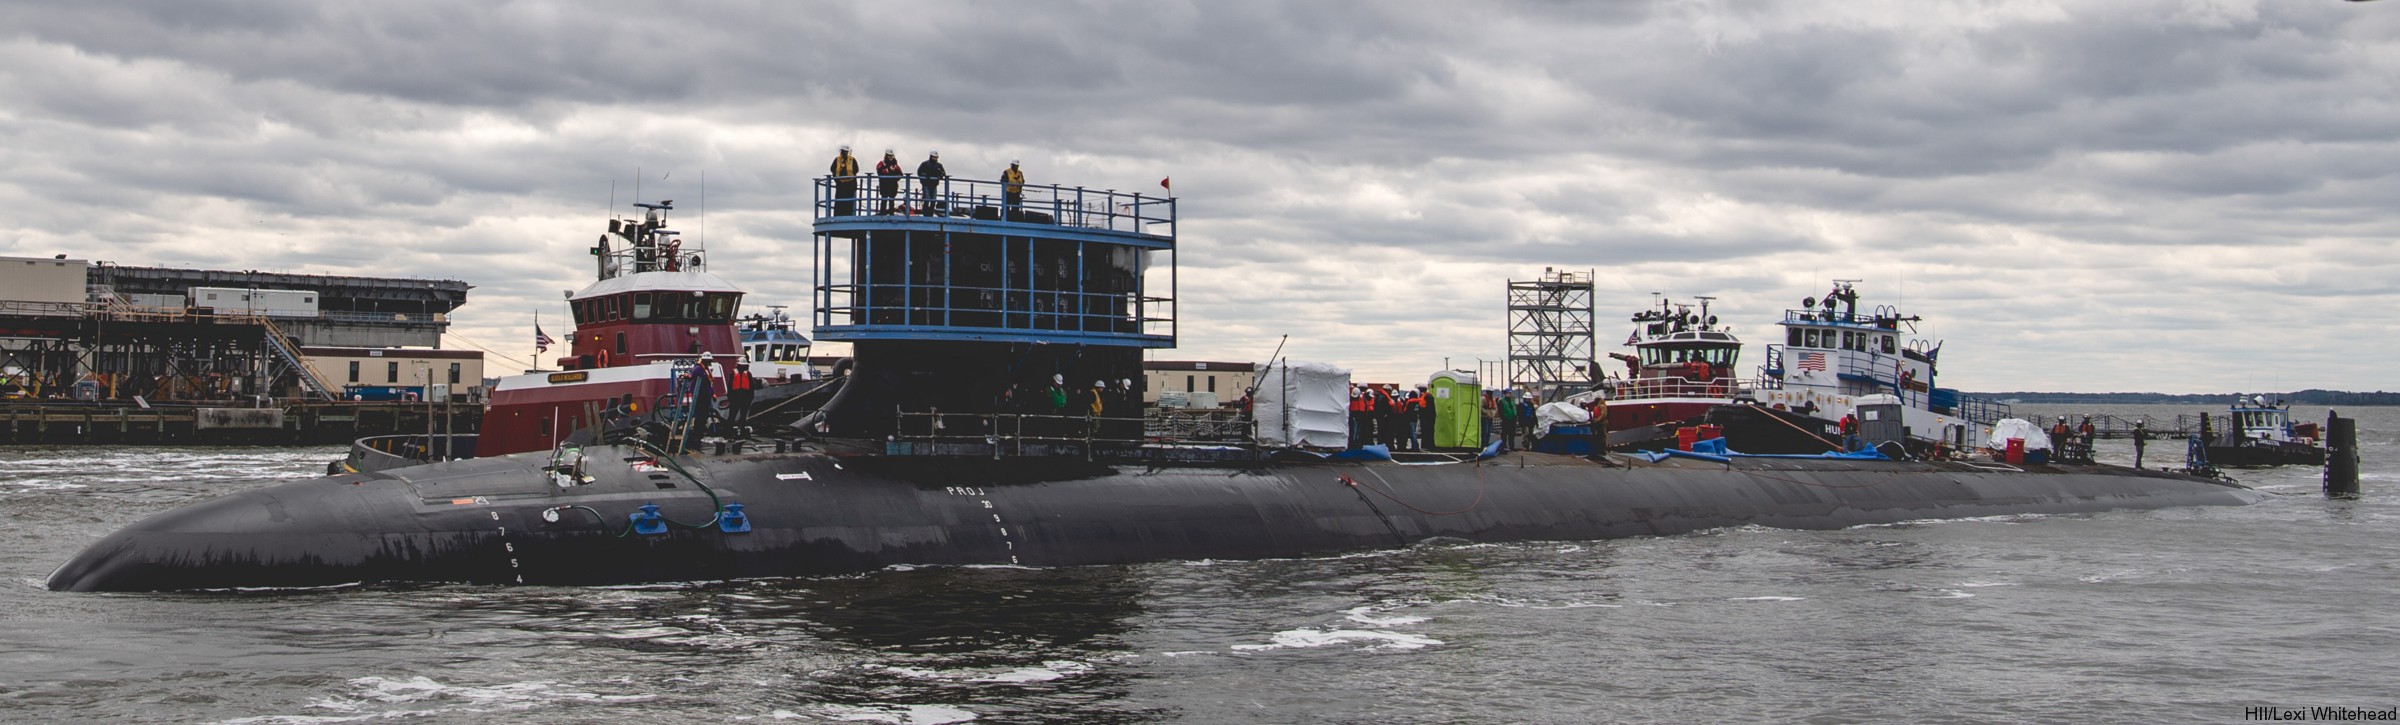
(939, 446)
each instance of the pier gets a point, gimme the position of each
(101, 353)
(293, 422)
(2110, 427)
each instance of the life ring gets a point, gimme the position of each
(604, 358)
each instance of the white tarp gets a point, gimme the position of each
(1303, 404)
(1555, 413)
(2035, 439)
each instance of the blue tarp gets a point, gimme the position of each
(1364, 453)
(1714, 450)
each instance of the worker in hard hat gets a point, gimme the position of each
(930, 175)
(887, 178)
(845, 182)
(1012, 189)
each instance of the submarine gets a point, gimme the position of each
(943, 441)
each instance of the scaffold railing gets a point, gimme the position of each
(982, 200)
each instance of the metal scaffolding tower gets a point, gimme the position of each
(1550, 344)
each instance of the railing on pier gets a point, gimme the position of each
(1049, 204)
(2115, 427)
(1983, 410)
(114, 311)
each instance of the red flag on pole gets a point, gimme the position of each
(1162, 183)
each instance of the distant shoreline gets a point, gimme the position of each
(2302, 397)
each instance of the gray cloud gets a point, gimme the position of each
(2045, 181)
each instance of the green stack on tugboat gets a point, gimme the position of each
(942, 446)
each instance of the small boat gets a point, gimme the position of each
(777, 352)
(2259, 433)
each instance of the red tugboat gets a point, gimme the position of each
(1681, 367)
(654, 311)
(652, 314)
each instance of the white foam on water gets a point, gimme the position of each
(2108, 576)
(1308, 638)
(1766, 599)
(1947, 594)
(1499, 601)
(1978, 585)
(1050, 670)
(372, 694)
(1995, 519)
(1364, 615)
(897, 714)
(1047, 672)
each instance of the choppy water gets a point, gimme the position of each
(2184, 615)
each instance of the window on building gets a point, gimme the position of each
(354, 371)
(641, 305)
(1212, 383)
(620, 342)
(1888, 347)
(391, 372)
(1187, 384)
(454, 370)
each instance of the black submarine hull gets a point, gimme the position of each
(483, 520)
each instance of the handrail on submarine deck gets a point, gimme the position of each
(1012, 431)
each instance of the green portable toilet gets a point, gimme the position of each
(1457, 409)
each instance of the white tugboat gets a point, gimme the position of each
(1832, 355)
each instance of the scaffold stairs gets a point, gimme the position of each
(288, 354)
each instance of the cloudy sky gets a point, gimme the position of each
(2156, 195)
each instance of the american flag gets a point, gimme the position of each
(541, 340)
(1812, 361)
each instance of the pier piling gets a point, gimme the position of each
(2341, 457)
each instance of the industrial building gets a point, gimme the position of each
(102, 334)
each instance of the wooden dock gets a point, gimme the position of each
(293, 422)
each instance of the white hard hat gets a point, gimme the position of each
(934, 154)
(1058, 378)
(1099, 383)
(1125, 382)
(712, 356)
(1012, 162)
(888, 152)
(845, 147)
